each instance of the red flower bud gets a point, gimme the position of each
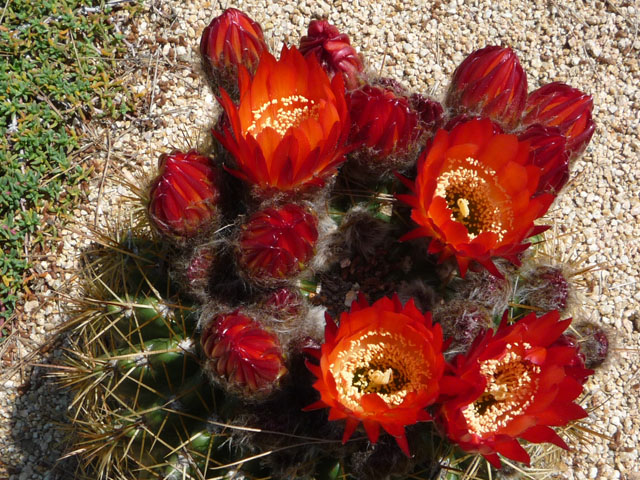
(548, 152)
(490, 82)
(284, 303)
(277, 243)
(385, 125)
(546, 288)
(559, 105)
(184, 197)
(594, 344)
(199, 267)
(231, 40)
(333, 50)
(243, 353)
(430, 111)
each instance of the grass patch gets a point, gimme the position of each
(58, 63)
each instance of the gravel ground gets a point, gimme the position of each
(592, 45)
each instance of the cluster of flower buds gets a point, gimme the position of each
(556, 118)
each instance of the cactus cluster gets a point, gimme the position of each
(344, 286)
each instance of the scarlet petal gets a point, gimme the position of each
(542, 434)
(514, 451)
(372, 429)
(349, 428)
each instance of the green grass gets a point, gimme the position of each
(57, 70)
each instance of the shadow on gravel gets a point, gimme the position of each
(39, 423)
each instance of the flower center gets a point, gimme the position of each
(511, 386)
(283, 113)
(379, 362)
(469, 189)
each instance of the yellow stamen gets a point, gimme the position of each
(379, 362)
(469, 189)
(512, 383)
(284, 113)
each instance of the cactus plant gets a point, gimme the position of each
(214, 354)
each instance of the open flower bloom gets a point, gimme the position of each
(381, 366)
(514, 384)
(290, 128)
(474, 195)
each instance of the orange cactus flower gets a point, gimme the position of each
(513, 384)
(290, 129)
(475, 195)
(491, 83)
(242, 353)
(381, 367)
(560, 105)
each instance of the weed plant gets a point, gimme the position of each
(58, 64)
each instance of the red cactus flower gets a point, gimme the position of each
(514, 384)
(333, 50)
(231, 39)
(549, 152)
(384, 124)
(291, 126)
(184, 196)
(239, 350)
(277, 243)
(559, 105)
(474, 195)
(381, 366)
(490, 82)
